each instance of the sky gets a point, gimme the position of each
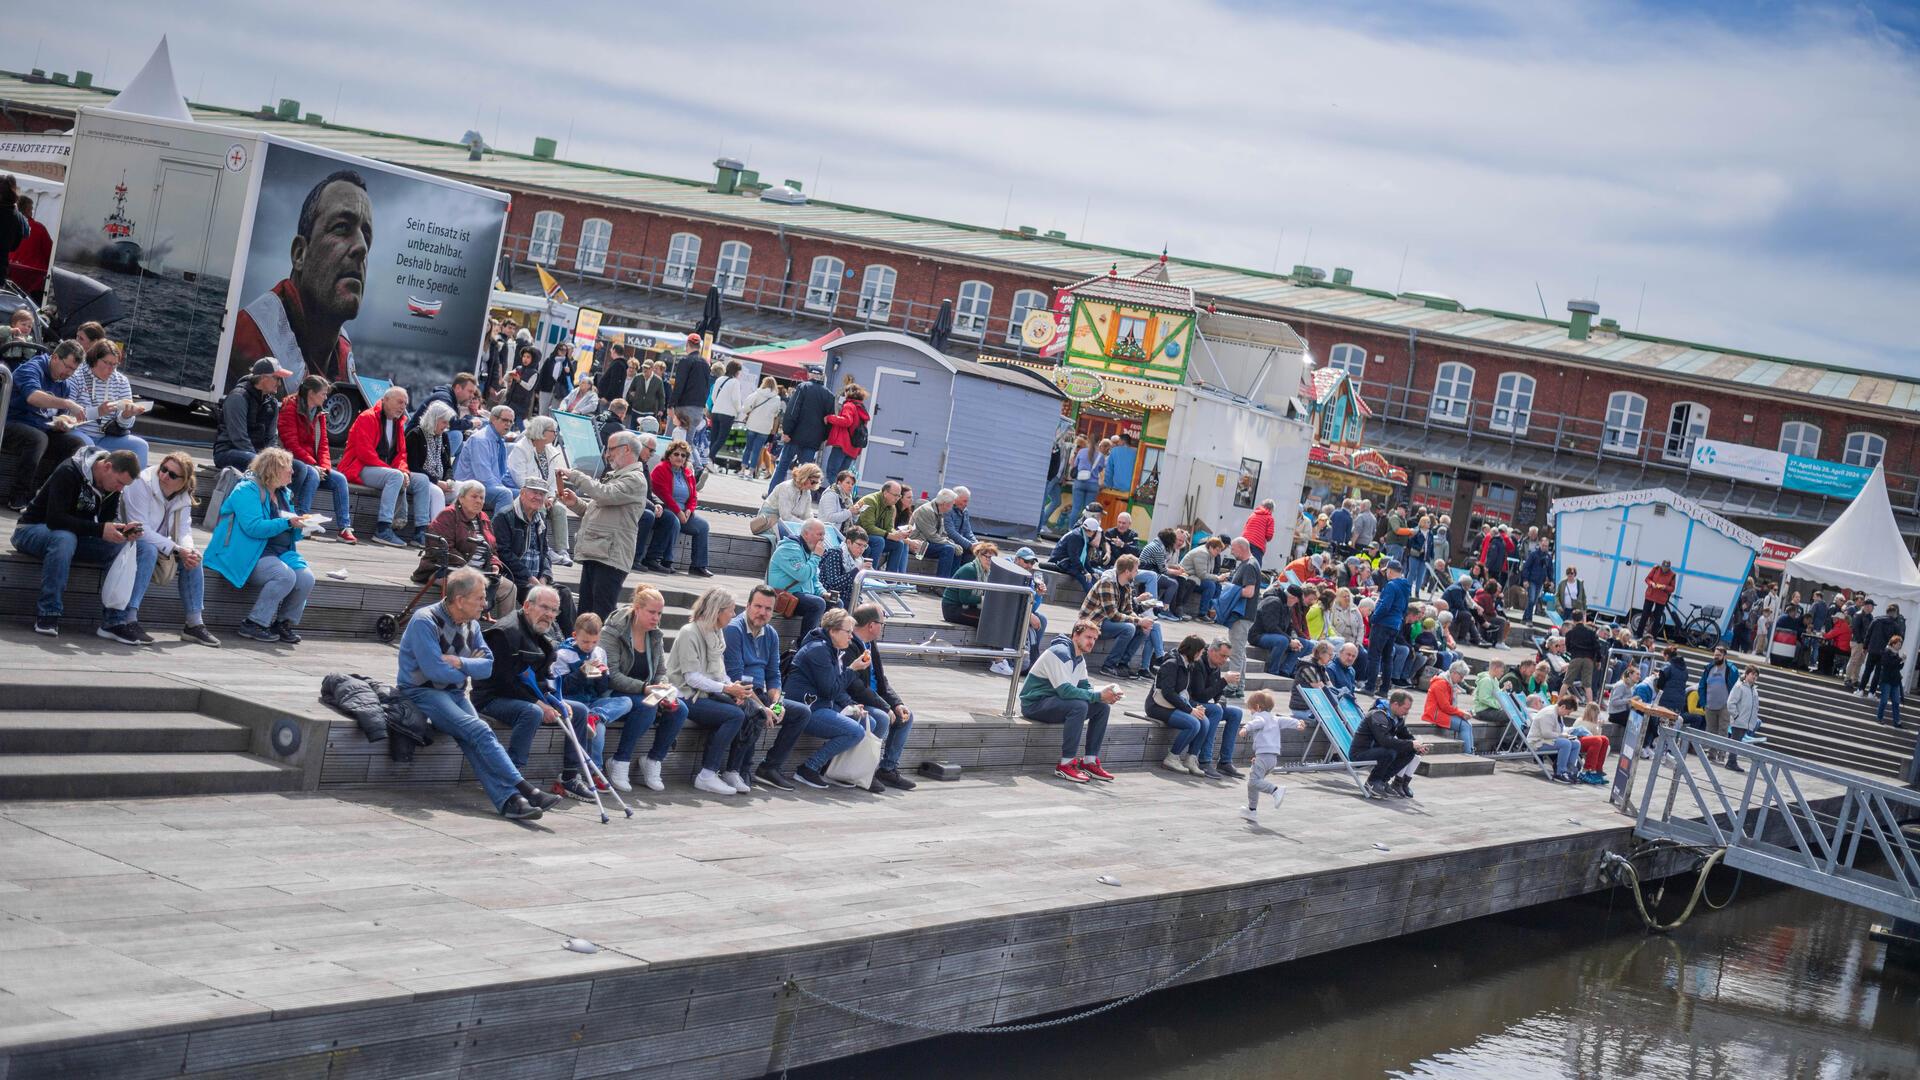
(1735, 172)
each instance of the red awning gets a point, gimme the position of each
(791, 364)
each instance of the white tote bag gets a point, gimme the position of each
(856, 764)
(117, 590)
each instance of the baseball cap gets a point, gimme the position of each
(1394, 565)
(267, 365)
(534, 483)
(1090, 522)
(1026, 554)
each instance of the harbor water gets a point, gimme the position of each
(1779, 984)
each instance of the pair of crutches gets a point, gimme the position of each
(588, 766)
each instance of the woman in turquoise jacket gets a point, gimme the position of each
(255, 544)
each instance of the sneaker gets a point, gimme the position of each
(1193, 765)
(1279, 796)
(517, 808)
(698, 571)
(1646, 753)
(572, 788)
(1207, 770)
(706, 781)
(1070, 770)
(1000, 667)
(558, 558)
(1173, 763)
(811, 777)
(284, 631)
(650, 775)
(875, 787)
(346, 536)
(1379, 791)
(1249, 814)
(600, 783)
(543, 800)
(48, 625)
(18, 506)
(1091, 766)
(771, 777)
(122, 633)
(1401, 786)
(198, 632)
(385, 535)
(1227, 770)
(739, 783)
(893, 779)
(253, 631)
(140, 632)
(1108, 671)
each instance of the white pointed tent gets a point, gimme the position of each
(154, 92)
(1863, 550)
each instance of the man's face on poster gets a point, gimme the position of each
(330, 265)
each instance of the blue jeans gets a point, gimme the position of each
(1124, 634)
(453, 714)
(1056, 494)
(192, 582)
(283, 591)
(750, 457)
(889, 554)
(499, 497)
(1226, 718)
(722, 719)
(124, 442)
(233, 459)
(1380, 656)
(306, 481)
(1085, 493)
(1072, 715)
(1461, 727)
(1891, 693)
(1566, 754)
(57, 549)
(791, 454)
(837, 459)
(1186, 731)
(1533, 601)
(524, 718)
(641, 717)
(608, 710)
(1282, 657)
(666, 533)
(945, 556)
(1209, 594)
(839, 733)
(390, 481)
(891, 733)
(1034, 638)
(1417, 575)
(808, 608)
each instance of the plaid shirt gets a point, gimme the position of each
(836, 574)
(1108, 601)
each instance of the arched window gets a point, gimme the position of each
(1452, 394)
(1351, 359)
(1626, 420)
(1512, 403)
(730, 273)
(546, 236)
(683, 258)
(595, 235)
(823, 283)
(1864, 449)
(1025, 302)
(1800, 437)
(876, 293)
(1685, 424)
(970, 314)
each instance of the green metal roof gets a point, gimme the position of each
(1062, 259)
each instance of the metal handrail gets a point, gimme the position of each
(1768, 826)
(1011, 653)
(769, 293)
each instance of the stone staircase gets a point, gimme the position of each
(146, 735)
(1811, 716)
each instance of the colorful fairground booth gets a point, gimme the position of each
(1217, 403)
(1341, 465)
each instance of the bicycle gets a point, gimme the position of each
(1700, 627)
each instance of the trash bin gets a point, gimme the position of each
(1003, 615)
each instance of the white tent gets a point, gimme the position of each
(153, 92)
(1863, 550)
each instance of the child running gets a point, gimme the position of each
(1265, 727)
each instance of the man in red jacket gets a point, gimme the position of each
(377, 457)
(1653, 614)
(303, 431)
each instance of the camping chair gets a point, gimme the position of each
(1513, 744)
(387, 627)
(1339, 728)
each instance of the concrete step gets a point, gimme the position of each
(124, 692)
(1444, 764)
(77, 732)
(92, 776)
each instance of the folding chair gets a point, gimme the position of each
(1514, 744)
(1339, 728)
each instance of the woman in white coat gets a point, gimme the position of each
(161, 500)
(536, 454)
(762, 410)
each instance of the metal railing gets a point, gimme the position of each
(780, 295)
(1564, 435)
(1768, 824)
(1012, 654)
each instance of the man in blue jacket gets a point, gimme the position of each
(440, 651)
(753, 658)
(1389, 612)
(1340, 527)
(1535, 573)
(484, 458)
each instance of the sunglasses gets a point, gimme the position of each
(167, 471)
(678, 454)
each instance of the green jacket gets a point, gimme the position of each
(964, 597)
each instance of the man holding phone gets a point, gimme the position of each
(75, 514)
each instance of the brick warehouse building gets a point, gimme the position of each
(1491, 413)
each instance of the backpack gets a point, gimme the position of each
(223, 486)
(857, 436)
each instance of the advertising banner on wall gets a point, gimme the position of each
(353, 266)
(1775, 469)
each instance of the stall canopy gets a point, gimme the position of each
(1863, 550)
(792, 363)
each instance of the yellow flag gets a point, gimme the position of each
(549, 286)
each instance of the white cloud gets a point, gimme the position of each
(1757, 180)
